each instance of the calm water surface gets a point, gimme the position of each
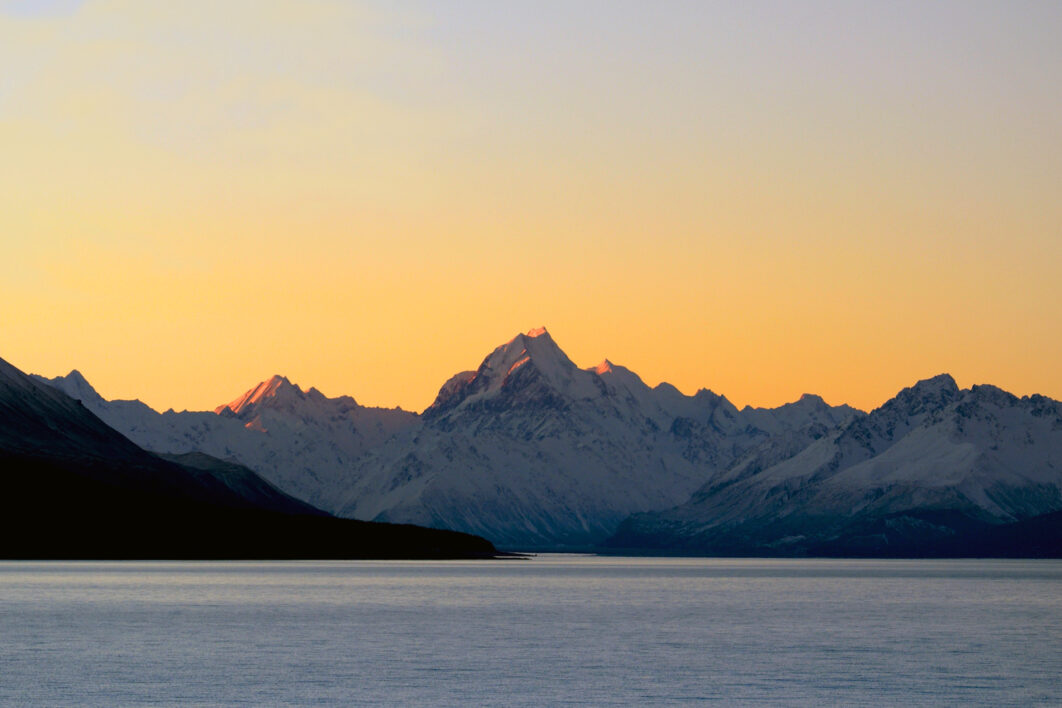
(552, 630)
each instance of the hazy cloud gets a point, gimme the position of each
(39, 8)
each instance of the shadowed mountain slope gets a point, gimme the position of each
(76, 488)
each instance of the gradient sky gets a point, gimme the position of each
(759, 198)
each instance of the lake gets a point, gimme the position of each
(575, 630)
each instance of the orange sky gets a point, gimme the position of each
(765, 200)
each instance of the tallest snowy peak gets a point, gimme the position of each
(528, 359)
(536, 345)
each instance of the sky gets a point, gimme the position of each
(760, 198)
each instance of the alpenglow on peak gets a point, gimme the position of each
(266, 389)
(603, 368)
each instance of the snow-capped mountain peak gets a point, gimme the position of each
(925, 397)
(77, 387)
(603, 368)
(624, 383)
(939, 386)
(531, 359)
(278, 388)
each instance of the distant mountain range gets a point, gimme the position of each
(531, 451)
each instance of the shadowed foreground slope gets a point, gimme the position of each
(74, 488)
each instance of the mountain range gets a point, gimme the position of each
(532, 451)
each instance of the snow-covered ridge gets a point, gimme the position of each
(305, 443)
(979, 454)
